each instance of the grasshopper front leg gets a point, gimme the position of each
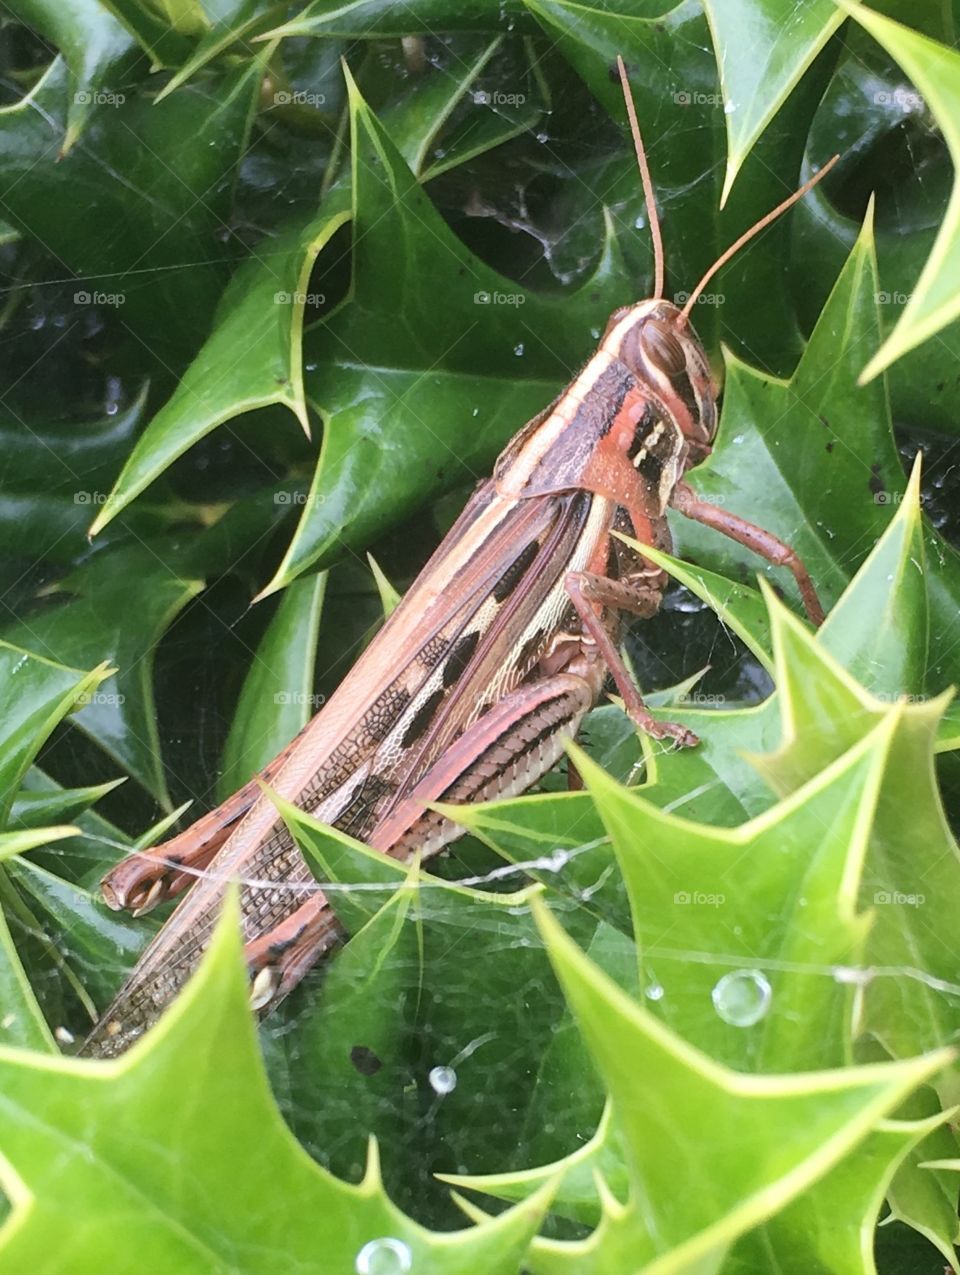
(762, 542)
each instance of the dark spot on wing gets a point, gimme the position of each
(460, 657)
(422, 718)
(515, 572)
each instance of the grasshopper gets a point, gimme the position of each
(499, 649)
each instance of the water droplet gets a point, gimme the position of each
(654, 992)
(114, 391)
(386, 1256)
(742, 997)
(729, 108)
(639, 222)
(595, 333)
(848, 975)
(518, 350)
(443, 1079)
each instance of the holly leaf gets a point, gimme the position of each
(92, 620)
(935, 71)
(253, 358)
(912, 866)
(391, 365)
(232, 1184)
(277, 698)
(763, 50)
(827, 1114)
(160, 176)
(36, 693)
(95, 48)
(411, 1026)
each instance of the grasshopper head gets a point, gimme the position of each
(656, 342)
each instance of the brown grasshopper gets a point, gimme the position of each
(500, 647)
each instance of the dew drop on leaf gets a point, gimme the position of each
(742, 997)
(654, 992)
(849, 975)
(385, 1256)
(443, 1079)
(518, 350)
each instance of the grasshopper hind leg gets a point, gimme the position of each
(506, 750)
(148, 878)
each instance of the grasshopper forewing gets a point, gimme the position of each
(491, 661)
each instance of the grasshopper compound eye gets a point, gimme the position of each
(663, 348)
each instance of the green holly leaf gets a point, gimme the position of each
(388, 17)
(411, 1026)
(159, 175)
(253, 359)
(812, 1231)
(763, 50)
(95, 48)
(36, 807)
(935, 70)
(799, 863)
(36, 693)
(912, 866)
(827, 1113)
(232, 1184)
(22, 1022)
(93, 621)
(391, 364)
(805, 458)
(277, 698)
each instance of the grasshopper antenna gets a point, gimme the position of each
(755, 229)
(647, 183)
